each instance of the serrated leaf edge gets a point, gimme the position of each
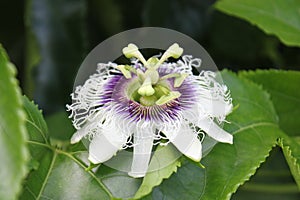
(22, 117)
(250, 174)
(291, 157)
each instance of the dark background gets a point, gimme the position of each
(48, 39)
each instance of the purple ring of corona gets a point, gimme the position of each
(114, 97)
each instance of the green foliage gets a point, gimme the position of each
(118, 183)
(283, 86)
(57, 174)
(13, 147)
(58, 171)
(291, 150)
(278, 17)
(156, 177)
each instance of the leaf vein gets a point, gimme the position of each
(48, 175)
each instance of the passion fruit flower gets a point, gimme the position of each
(140, 104)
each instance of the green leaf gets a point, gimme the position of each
(255, 129)
(56, 46)
(272, 181)
(155, 178)
(291, 150)
(13, 148)
(37, 131)
(283, 86)
(35, 122)
(56, 174)
(61, 176)
(276, 17)
(186, 183)
(118, 183)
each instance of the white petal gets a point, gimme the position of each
(214, 131)
(78, 135)
(105, 145)
(141, 153)
(215, 107)
(187, 142)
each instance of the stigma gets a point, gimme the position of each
(153, 88)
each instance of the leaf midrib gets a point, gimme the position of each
(48, 175)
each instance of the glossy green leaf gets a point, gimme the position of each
(276, 17)
(284, 89)
(56, 47)
(118, 183)
(61, 176)
(283, 86)
(272, 181)
(56, 174)
(291, 150)
(13, 148)
(255, 129)
(35, 123)
(186, 183)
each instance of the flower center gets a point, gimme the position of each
(160, 90)
(149, 88)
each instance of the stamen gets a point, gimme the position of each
(167, 98)
(161, 90)
(174, 75)
(124, 71)
(179, 80)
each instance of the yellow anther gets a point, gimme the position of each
(179, 80)
(167, 98)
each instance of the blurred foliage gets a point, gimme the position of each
(275, 17)
(13, 134)
(48, 40)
